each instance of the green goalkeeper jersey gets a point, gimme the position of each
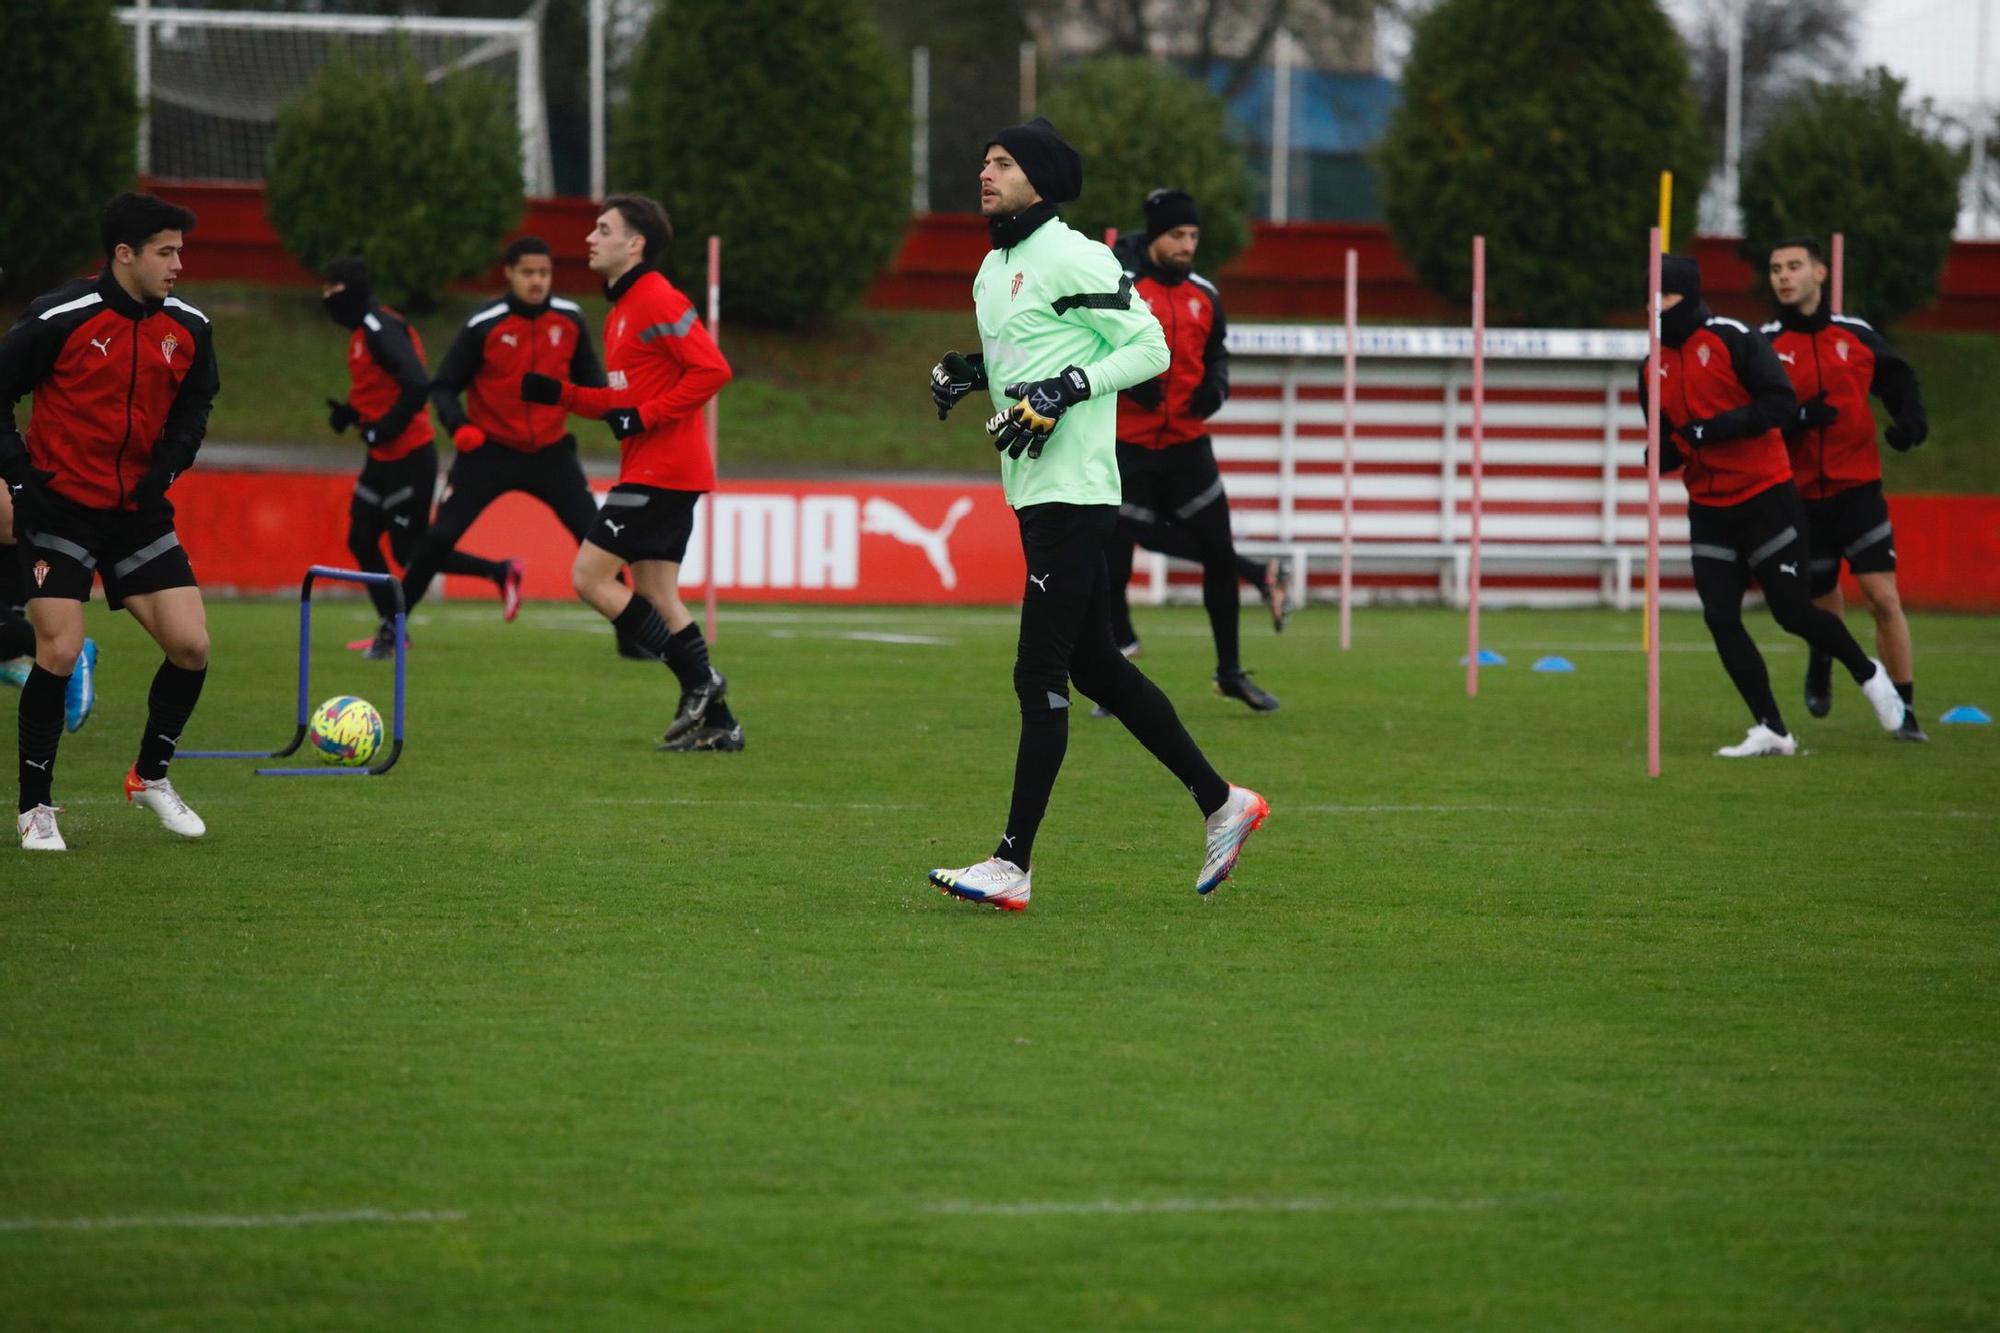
(1058, 299)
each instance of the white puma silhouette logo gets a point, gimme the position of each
(886, 518)
(1789, 358)
(1792, 569)
(103, 345)
(1040, 581)
(1007, 838)
(44, 765)
(616, 528)
(510, 340)
(402, 520)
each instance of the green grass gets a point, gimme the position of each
(851, 394)
(1488, 1032)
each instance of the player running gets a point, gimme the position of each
(385, 400)
(662, 368)
(1835, 362)
(1062, 334)
(123, 375)
(1723, 399)
(1166, 461)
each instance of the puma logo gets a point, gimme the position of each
(510, 340)
(103, 345)
(1792, 569)
(886, 518)
(616, 528)
(44, 765)
(402, 520)
(1008, 838)
(1040, 580)
(1789, 358)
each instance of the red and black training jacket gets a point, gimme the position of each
(1725, 396)
(1175, 408)
(115, 380)
(1846, 360)
(497, 346)
(387, 384)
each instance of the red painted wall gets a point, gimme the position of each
(1289, 272)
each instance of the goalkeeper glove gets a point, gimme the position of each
(953, 377)
(1040, 405)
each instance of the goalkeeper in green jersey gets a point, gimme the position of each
(1061, 335)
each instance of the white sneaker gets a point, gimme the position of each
(1761, 740)
(1228, 829)
(160, 797)
(38, 830)
(996, 883)
(1881, 692)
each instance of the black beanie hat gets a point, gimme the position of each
(347, 306)
(1679, 275)
(1050, 164)
(1167, 209)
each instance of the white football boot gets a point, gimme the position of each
(38, 830)
(1881, 692)
(160, 797)
(1228, 828)
(994, 882)
(1761, 741)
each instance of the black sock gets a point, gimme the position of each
(1151, 719)
(687, 657)
(1044, 741)
(1819, 672)
(640, 623)
(1219, 598)
(473, 566)
(168, 706)
(1254, 573)
(41, 730)
(1908, 689)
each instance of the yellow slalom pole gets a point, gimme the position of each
(1666, 244)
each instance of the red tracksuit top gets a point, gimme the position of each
(387, 383)
(1727, 379)
(497, 346)
(661, 363)
(1196, 382)
(1845, 359)
(112, 378)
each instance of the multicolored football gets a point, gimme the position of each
(346, 731)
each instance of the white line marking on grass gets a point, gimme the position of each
(1572, 810)
(704, 800)
(229, 1221)
(1134, 1207)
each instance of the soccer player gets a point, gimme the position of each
(123, 375)
(385, 400)
(505, 444)
(1166, 462)
(1835, 362)
(662, 368)
(1723, 400)
(1062, 336)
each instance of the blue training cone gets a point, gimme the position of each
(1555, 664)
(1487, 657)
(1967, 713)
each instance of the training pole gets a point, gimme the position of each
(714, 435)
(1478, 459)
(1839, 279)
(1656, 429)
(1663, 242)
(1347, 467)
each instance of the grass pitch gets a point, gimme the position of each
(548, 1030)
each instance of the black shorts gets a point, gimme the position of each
(134, 551)
(1850, 525)
(552, 475)
(1169, 485)
(1770, 523)
(645, 523)
(396, 495)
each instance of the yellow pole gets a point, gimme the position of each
(1666, 244)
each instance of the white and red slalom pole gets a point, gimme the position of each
(1478, 459)
(714, 435)
(1839, 291)
(1657, 434)
(1347, 467)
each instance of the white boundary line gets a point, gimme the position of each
(229, 1221)
(751, 801)
(1141, 1207)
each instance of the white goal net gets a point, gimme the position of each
(211, 81)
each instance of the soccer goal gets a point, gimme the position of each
(210, 81)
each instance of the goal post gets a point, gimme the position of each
(210, 81)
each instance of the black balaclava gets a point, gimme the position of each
(347, 306)
(1683, 276)
(1167, 209)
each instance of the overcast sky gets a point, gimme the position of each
(1934, 44)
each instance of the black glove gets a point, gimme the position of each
(1150, 394)
(1816, 412)
(955, 376)
(1034, 416)
(340, 415)
(1907, 433)
(539, 388)
(168, 464)
(14, 465)
(1694, 433)
(1207, 400)
(371, 432)
(625, 422)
